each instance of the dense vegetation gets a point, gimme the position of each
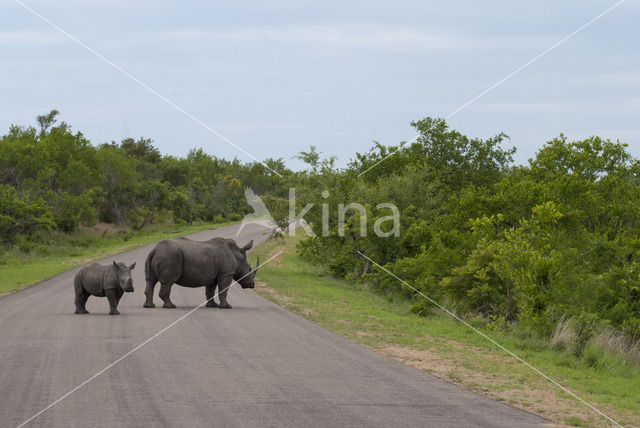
(556, 239)
(54, 179)
(533, 245)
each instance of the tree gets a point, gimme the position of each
(20, 217)
(47, 120)
(456, 159)
(142, 149)
(120, 184)
(312, 158)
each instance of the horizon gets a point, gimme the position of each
(302, 166)
(276, 79)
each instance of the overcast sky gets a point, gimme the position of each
(276, 77)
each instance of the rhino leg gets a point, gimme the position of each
(119, 296)
(81, 301)
(165, 293)
(148, 292)
(210, 293)
(81, 294)
(112, 296)
(223, 286)
(85, 296)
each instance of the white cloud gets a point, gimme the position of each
(533, 107)
(352, 36)
(620, 77)
(31, 37)
(358, 37)
(634, 103)
(626, 135)
(628, 104)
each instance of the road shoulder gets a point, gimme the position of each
(435, 345)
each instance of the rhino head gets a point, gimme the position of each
(245, 274)
(124, 275)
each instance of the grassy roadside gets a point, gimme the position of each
(19, 269)
(443, 347)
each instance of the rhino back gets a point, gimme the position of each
(95, 278)
(203, 262)
(190, 263)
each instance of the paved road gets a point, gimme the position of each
(254, 365)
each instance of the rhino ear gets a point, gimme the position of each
(115, 263)
(247, 247)
(132, 266)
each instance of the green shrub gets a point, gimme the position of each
(20, 217)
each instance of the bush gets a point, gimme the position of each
(18, 216)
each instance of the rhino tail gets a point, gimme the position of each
(149, 275)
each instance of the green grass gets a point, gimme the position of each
(19, 269)
(575, 421)
(381, 322)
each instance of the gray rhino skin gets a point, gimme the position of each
(99, 280)
(210, 264)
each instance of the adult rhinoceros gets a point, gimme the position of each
(188, 263)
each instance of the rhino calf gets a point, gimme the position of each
(99, 280)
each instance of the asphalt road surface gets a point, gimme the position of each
(253, 365)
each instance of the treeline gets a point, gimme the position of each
(556, 239)
(52, 178)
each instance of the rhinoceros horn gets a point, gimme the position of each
(257, 265)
